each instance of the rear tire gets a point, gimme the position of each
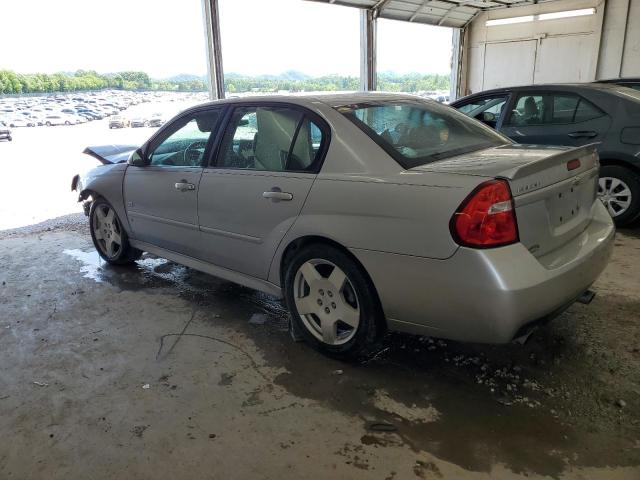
(109, 238)
(619, 190)
(333, 304)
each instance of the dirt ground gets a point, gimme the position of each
(159, 371)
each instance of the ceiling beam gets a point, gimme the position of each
(378, 7)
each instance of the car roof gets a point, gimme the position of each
(576, 87)
(330, 99)
(620, 80)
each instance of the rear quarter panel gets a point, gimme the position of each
(407, 214)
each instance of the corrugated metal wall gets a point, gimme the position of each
(577, 49)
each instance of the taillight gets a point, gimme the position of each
(486, 218)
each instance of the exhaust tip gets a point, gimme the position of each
(587, 297)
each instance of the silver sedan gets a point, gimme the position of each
(366, 212)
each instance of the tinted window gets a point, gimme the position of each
(552, 109)
(529, 110)
(186, 141)
(415, 133)
(564, 108)
(271, 139)
(488, 104)
(586, 111)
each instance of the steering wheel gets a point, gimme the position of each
(193, 153)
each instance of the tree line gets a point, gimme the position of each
(15, 83)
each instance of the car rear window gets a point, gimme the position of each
(629, 93)
(417, 132)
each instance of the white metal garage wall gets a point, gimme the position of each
(576, 49)
(620, 48)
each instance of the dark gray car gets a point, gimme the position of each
(574, 115)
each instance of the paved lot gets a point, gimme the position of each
(37, 166)
(162, 372)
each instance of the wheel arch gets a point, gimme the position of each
(112, 191)
(613, 161)
(304, 241)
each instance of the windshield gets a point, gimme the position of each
(415, 132)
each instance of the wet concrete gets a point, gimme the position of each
(231, 395)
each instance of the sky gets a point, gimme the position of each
(166, 38)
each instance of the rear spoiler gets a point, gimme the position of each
(108, 154)
(561, 156)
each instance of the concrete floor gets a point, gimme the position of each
(97, 382)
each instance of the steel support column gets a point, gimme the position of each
(214, 49)
(368, 52)
(457, 57)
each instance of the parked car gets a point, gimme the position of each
(578, 114)
(624, 82)
(139, 122)
(61, 119)
(5, 132)
(118, 122)
(365, 211)
(156, 120)
(21, 122)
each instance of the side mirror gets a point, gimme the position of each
(137, 158)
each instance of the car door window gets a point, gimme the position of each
(530, 109)
(186, 142)
(586, 111)
(490, 104)
(564, 108)
(270, 139)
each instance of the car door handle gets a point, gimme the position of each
(586, 134)
(184, 186)
(277, 195)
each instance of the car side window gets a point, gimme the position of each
(586, 111)
(272, 139)
(529, 110)
(492, 105)
(186, 141)
(564, 108)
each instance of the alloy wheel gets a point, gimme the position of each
(107, 231)
(615, 194)
(326, 301)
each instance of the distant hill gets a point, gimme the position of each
(186, 77)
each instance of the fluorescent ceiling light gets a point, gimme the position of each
(508, 21)
(567, 14)
(542, 16)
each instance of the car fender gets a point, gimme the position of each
(107, 182)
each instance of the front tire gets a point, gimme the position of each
(619, 190)
(109, 238)
(333, 303)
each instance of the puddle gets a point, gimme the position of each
(151, 272)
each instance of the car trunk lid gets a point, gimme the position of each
(554, 188)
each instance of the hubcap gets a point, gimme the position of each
(106, 230)
(615, 194)
(326, 301)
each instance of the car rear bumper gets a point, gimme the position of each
(487, 295)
